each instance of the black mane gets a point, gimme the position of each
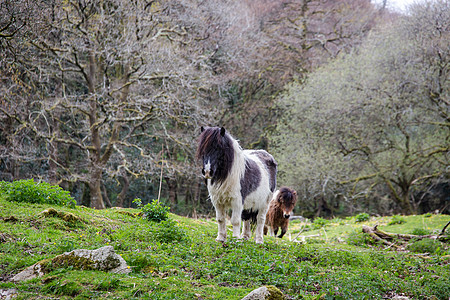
(217, 144)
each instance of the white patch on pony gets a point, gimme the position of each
(207, 169)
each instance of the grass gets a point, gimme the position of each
(181, 260)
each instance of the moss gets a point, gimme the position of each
(275, 293)
(64, 261)
(77, 262)
(130, 214)
(45, 266)
(68, 217)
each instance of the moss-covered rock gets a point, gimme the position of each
(275, 293)
(68, 217)
(269, 292)
(103, 259)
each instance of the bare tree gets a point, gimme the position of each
(112, 78)
(262, 45)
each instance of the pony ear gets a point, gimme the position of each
(279, 198)
(222, 131)
(202, 129)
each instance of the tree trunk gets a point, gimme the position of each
(123, 193)
(402, 198)
(105, 196)
(172, 185)
(86, 197)
(95, 190)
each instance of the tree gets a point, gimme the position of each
(262, 45)
(373, 123)
(111, 82)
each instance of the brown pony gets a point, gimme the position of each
(280, 209)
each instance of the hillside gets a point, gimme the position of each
(180, 259)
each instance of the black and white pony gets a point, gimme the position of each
(237, 179)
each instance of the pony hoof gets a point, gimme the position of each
(221, 240)
(259, 241)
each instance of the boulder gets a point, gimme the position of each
(8, 294)
(104, 259)
(269, 292)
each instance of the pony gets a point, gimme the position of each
(280, 209)
(237, 179)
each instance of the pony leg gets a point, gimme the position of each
(222, 230)
(283, 231)
(236, 222)
(246, 232)
(269, 229)
(259, 231)
(275, 231)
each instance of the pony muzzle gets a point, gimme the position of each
(286, 216)
(207, 175)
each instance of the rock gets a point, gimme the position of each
(104, 259)
(269, 292)
(29, 273)
(301, 218)
(8, 294)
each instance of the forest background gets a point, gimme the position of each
(106, 98)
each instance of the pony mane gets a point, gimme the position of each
(215, 141)
(287, 194)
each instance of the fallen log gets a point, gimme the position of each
(398, 240)
(381, 236)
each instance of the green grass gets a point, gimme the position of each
(185, 262)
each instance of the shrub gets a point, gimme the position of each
(397, 220)
(36, 192)
(424, 246)
(139, 261)
(421, 231)
(153, 211)
(169, 231)
(319, 223)
(362, 217)
(359, 238)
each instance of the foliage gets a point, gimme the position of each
(396, 81)
(153, 211)
(397, 220)
(425, 246)
(420, 231)
(36, 192)
(168, 231)
(362, 217)
(359, 238)
(319, 223)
